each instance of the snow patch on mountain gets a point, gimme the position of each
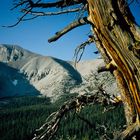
(15, 82)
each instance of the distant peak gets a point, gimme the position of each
(12, 53)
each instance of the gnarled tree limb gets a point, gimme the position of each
(48, 130)
(60, 3)
(29, 9)
(20, 19)
(81, 47)
(19, 4)
(50, 127)
(79, 22)
(36, 13)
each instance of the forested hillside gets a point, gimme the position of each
(19, 117)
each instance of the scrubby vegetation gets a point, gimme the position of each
(19, 117)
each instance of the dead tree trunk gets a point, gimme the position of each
(118, 39)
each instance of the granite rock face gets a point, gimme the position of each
(25, 73)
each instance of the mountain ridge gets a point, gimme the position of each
(47, 76)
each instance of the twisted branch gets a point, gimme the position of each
(36, 13)
(29, 9)
(50, 127)
(60, 3)
(79, 22)
(81, 47)
(19, 20)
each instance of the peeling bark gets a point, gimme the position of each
(115, 29)
(117, 37)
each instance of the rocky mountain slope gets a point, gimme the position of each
(25, 73)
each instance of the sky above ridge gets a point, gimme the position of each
(33, 34)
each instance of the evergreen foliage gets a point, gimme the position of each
(19, 117)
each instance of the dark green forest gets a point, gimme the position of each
(20, 116)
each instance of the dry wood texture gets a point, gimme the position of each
(115, 29)
(117, 37)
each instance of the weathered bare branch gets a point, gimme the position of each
(79, 22)
(20, 19)
(115, 29)
(19, 4)
(25, 19)
(102, 69)
(81, 47)
(36, 13)
(109, 67)
(50, 127)
(60, 3)
(47, 130)
(29, 9)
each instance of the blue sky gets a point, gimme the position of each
(33, 34)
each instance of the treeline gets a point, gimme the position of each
(19, 117)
